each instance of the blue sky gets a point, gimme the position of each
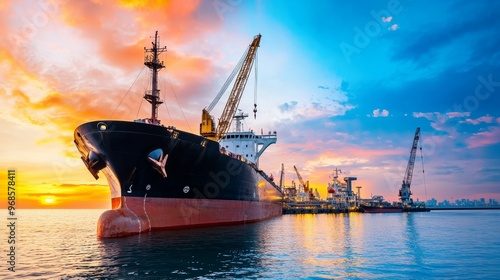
(385, 68)
(345, 85)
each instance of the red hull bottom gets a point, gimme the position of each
(133, 215)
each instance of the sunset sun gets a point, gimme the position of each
(49, 200)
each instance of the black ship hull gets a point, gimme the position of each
(161, 177)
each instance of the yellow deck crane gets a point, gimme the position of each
(207, 126)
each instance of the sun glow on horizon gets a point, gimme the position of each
(48, 200)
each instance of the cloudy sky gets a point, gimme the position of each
(345, 85)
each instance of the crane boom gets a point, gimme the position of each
(207, 127)
(237, 91)
(405, 192)
(300, 179)
(282, 175)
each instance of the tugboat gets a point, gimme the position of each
(161, 177)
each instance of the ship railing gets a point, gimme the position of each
(270, 136)
(251, 164)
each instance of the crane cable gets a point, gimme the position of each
(255, 86)
(423, 170)
(228, 81)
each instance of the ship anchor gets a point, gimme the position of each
(159, 165)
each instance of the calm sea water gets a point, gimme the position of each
(61, 244)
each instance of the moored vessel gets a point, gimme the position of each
(377, 204)
(161, 177)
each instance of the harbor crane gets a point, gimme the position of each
(282, 176)
(207, 126)
(404, 192)
(306, 187)
(307, 190)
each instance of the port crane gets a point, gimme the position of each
(282, 176)
(306, 188)
(207, 126)
(404, 192)
(308, 191)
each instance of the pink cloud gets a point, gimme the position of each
(393, 27)
(457, 114)
(377, 113)
(442, 122)
(484, 138)
(483, 119)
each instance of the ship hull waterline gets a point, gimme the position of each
(392, 209)
(163, 178)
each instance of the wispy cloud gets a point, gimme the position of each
(322, 103)
(483, 119)
(443, 122)
(288, 106)
(484, 138)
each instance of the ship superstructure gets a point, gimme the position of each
(341, 194)
(246, 144)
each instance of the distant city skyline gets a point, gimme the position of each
(463, 202)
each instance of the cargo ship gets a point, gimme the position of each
(161, 177)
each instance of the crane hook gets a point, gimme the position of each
(255, 111)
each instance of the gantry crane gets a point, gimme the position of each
(207, 126)
(404, 192)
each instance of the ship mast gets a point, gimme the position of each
(152, 62)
